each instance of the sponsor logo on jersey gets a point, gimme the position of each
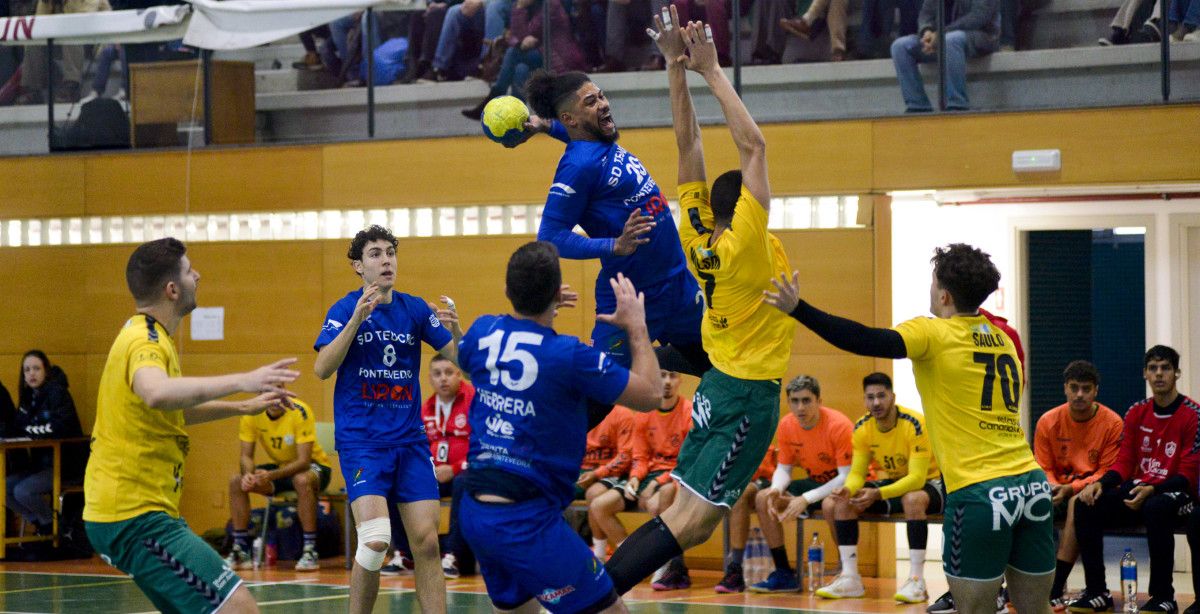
(556, 594)
(1170, 449)
(561, 189)
(332, 324)
(434, 321)
(499, 427)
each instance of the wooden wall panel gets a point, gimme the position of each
(836, 274)
(258, 179)
(42, 306)
(106, 295)
(42, 186)
(134, 183)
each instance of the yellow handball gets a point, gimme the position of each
(504, 120)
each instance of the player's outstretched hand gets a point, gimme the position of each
(788, 295)
(265, 401)
(702, 53)
(666, 35)
(533, 126)
(448, 315)
(631, 306)
(634, 233)
(568, 298)
(271, 378)
(366, 304)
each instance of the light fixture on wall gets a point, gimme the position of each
(1037, 161)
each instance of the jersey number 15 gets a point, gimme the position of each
(512, 353)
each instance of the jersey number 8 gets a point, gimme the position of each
(512, 353)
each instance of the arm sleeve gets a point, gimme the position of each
(858, 471)
(782, 477)
(564, 209)
(1110, 479)
(641, 451)
(432, 330)
(597, 375)
(335, 319)
(1127, 454)
(246, 430)
(1043, 450)
(913, 480)
(145, 353)
(849, 335)
(980, 14)
(559, 131)
(1175, 483)
(307, 431)
(695, 212)
(823, 490)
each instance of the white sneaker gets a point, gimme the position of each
(659, 573)
(913, 591)
(843, 587)
(308, 561)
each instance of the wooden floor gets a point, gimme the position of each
(92, 586)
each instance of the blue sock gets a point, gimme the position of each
(310, 540)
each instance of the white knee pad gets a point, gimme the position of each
(374, 530)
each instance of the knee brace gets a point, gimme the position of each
(374, 530)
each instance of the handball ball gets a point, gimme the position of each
(504, 119)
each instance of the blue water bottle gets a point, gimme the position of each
(816, 563)
(1129, 581)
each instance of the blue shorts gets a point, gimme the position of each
(527, 551)
(400, 473)
(674, 310)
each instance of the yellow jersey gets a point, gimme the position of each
(890, 452)
(280, 436)
(137, 457)
(745, 337)
(969, 379)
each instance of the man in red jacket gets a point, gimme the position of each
(446, 426)
(1151, 483)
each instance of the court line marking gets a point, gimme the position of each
(65, 573)
(303, 600)
(64, 587)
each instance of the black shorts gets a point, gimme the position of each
(934, 488)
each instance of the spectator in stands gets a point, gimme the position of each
(878, 18)
(497, 14)
(768, 38)
(739, 525)
(1075, 443)
(460, 44)
(298, 464)
(424, 34)
(606, 466)
(1150, 483)
(445, 414)
(1129, 13)
(891, 441)
(308, 38)
(972, 30)
(834, 14)
(350, 43)
(45, 410)
(588, 22)
(816, 439)
(34, 77)
(625, 17)
(524, 50)
(1184, 18)
(657, 438)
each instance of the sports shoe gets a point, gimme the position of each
(780, 581)
(943, 605)
(1160, 605)
(733, 582)
(844, 586)
(1092, 602)
(238, 558)
(676, 578)
(1058, 605)
(1119, 36)
(401, 565)
(913, 591)
(450, 566)
(308, 560)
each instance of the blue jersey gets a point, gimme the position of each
(597, 185)
(529, 416)
(377, 398)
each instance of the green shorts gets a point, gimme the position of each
(999, 523)
(609, 482)
(733, 422)
(285, 484)
(172, 566)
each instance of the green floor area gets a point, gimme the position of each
(30, 593)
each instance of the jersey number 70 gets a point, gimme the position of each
(1010, 380)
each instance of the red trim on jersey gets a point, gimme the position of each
(457, 433)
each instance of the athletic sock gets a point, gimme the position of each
(781, 560)
(918, 534)
(241, 539)
(599, 548)
(849, 556)
(310, 540)
(916, 559)
(650, 546)
(735, 556)
(1062, 570)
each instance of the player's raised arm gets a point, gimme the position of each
(842, 333)
(331, 355)
(666, 35)
(643, 392)
(752, 147)
(160, 391)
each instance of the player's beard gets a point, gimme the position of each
(601, 136)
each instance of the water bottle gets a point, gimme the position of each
(257, 555)
(752, 569)
(1129, 581)
(816, 563)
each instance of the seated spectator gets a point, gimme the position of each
(1151, 483)
(878, 18)
(1184, 20)
(446, 425)
(834, 14)
(972, 30)
(627, 17)
(497, 14)
(767, 36)
(606, 465)
(658, 435)
(1075, 443)
(308, 38)
(893, 443)
(588, 19)
(460, 44)
(524, 52)
(350, 43)
(1130, 12)
(45, 410)
(739, 526)
(815, 439)
(33, 71)
(298, 464)
(425, 32)
(104, 61)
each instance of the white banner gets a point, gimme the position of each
(159, 23)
